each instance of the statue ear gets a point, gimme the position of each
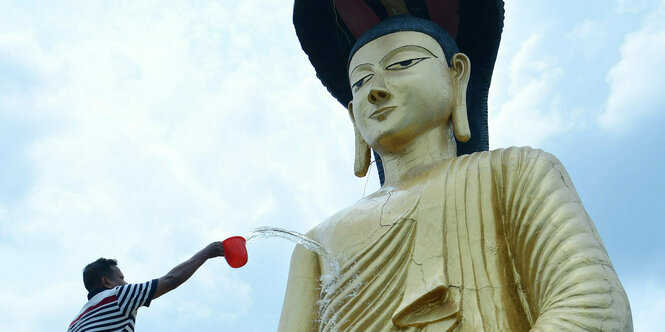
(362, 159)
(460, 68)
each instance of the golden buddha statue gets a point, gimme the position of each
(489, 241)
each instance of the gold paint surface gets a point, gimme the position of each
(492, 241)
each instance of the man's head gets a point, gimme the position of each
(103, 273)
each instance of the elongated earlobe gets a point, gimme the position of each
(362, 158)
(461, 123)
(461, 69)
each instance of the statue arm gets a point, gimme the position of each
(563, 273)
(302, 292)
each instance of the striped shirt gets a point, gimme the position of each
(114, 309)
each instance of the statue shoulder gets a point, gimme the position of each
(509, 156)
(522, 153)
(511, 165)
(351, 217)
(521, 158)
(517, 168)
(321, 231)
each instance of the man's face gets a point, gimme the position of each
(116, 278)
(401, 87)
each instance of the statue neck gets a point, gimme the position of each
(429, 149)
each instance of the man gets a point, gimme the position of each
(112, 302)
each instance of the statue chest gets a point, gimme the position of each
(368, 220)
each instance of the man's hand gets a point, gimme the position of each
(215, 249)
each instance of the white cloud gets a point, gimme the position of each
(586, 29)
(529, 111)
(18, 311)
(635, 6)
(636, 81)
(590, 40)
(168, 127)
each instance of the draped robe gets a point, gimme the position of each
(493, 241)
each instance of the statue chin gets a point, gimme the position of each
(389, 142)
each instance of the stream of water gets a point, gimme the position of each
(298, 238)
(327, 280)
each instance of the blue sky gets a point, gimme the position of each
(142, 130)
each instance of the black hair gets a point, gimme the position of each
(93, 272)
(408, 23)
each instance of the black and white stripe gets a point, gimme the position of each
(114, 309)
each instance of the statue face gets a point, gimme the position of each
(401, 88)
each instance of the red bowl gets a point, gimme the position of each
(235, 251)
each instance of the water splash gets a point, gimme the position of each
(298, 238)
(327, 280)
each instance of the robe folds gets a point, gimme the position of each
(495, 241)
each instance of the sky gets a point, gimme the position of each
(143, 130)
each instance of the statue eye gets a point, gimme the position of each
(405, 64)
(361, 82)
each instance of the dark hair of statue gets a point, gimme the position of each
(408, 23)
(93, 272)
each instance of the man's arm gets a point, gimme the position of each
(186, 269)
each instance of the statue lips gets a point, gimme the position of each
(381, 112)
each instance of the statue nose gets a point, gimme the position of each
(378, 94)
(378, 91)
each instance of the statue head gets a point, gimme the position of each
(331, 32)
(407, 77)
